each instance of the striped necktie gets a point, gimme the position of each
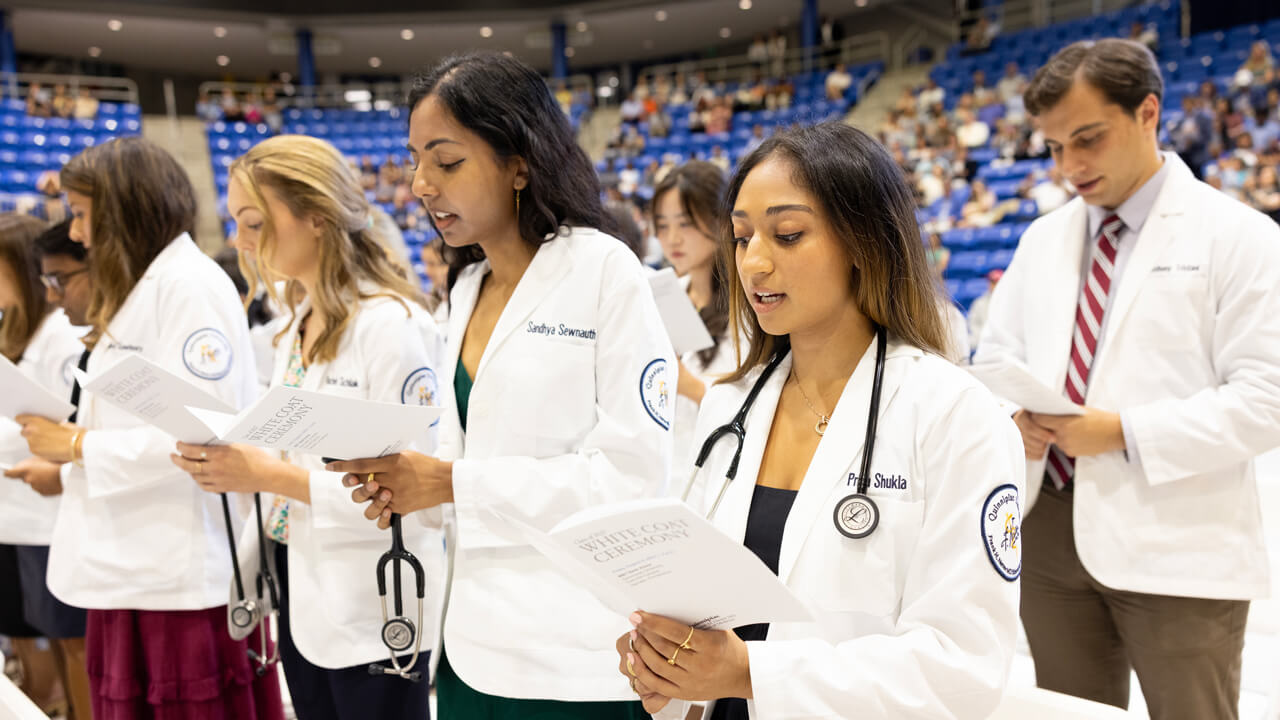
(1061, 467)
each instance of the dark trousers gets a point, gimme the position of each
(1085, 637)
(348, 693)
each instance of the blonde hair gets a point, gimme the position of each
(313, 179)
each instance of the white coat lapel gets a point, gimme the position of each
(550, 265)
(1158, 233)
(283, 348)
(462, 302)
(313, 380)
(731, 517)
(840, 450)
(1062, 287)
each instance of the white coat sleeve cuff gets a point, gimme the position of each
(769, 672)
(331, 504)
(674, 710)
(121, 461)
(1131, 452)
(1142, 426)
(471, 506)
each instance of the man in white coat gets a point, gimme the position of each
(1153, 301)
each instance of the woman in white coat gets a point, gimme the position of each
(438, 274)
(564, 380)
(362, 331)
(909, 562)
(40, 340)
(685, 214)
(136, 542)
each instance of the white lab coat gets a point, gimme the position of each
(958, 332)
(389, 353)
(133, 531)
(26, 517)
(686, 417)
(913, 621)
(264, 351)
(571, 408)
(1190, 357)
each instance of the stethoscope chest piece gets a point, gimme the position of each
(857, 516)
(245, 614)
(398, 634)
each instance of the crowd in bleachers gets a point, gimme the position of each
(668, 120)
(60, 102)
(254, 108)
(980, 169)
(37, 139)
(982, 172)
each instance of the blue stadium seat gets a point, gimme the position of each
(967, 264)
(999, 260)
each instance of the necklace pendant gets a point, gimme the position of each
(821, 427)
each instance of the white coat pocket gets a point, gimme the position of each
(1173, 303)
(550, 405)
(146, 539)
(867, 575)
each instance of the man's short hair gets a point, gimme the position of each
(1123, 70)
(57, 241)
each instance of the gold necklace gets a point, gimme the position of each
(823, 420)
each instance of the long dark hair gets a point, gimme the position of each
(508, 105)
(700, 187)
(17, 250)
(142, 200)
(866, 198)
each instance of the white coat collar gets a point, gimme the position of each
(317, 372)
(839, 452)
(1066, 245)
(1161, 231)
(551, 263)
(173, 254)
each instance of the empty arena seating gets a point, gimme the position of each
(29, 146)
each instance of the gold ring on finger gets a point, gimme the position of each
(370, 478)
(631, 668)
(685, 645)
(672, 660)
(633, 686)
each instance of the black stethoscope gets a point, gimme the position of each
(856, 516)
(247, 612)
(399, 632)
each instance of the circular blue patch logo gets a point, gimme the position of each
(207, 354)
(1001, 524)
(655, 392)
(420, 388)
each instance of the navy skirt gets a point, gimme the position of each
(46, 613)
(13, 621)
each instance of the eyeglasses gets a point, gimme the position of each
(57, 281)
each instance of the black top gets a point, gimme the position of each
(765, 522)
(75, 387)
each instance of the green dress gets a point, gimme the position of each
(458, 701)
